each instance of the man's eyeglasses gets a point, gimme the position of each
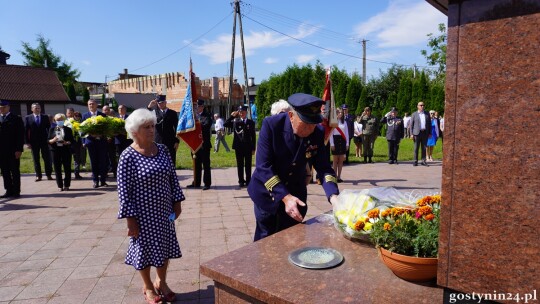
(421, 105)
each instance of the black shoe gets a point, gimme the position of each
(339, 180)
(49, 177)
(6, 195)
(370, 161)
(415, 164)
(395, 162)
(60, 189)
(391, 162)
(77, 176)
(365, 160)
(96, 185)
(103, 184)
(16, 195)
(38, 179)
(66, 188)
(206, 188)
(425, 164)
(193, 186)
(242, 185)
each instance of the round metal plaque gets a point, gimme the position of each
(316, 257)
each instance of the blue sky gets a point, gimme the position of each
(101, 38)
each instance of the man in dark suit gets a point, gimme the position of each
(202, 156)
(11, 148)
(244, 141)
(394, 134)
(121, 141)
(286, 142)
(420, 132)
(97, 149)
(349, 119)
(37, 127)
(167, 121)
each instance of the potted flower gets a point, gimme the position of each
(408, 239)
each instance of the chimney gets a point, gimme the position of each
(126, 72)
(3, 57)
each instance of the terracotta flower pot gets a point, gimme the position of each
(409, 268)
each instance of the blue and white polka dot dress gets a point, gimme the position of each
(147, 189)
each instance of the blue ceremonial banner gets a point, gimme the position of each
(186, 117)
(189, 127)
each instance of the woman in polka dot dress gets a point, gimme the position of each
(149, 196)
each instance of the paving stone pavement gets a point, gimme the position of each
(68, 247)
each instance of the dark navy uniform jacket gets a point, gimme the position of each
(281, 163)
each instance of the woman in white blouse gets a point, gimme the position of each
(339, 144)
(358, 136)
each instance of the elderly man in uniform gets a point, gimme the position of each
(286, 142)
(11, 148)
(394, 134)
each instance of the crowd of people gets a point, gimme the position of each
(291, 149)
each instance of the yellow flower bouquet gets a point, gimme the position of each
(74, 125)
(357, 211)
(99, 126)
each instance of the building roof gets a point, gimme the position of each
(24, 83)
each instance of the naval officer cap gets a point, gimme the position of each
(308, 107)
(161, 98)
(242, 108)
(200, 102)
(4, 103)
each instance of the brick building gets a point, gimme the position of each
(214, 91)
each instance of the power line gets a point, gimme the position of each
(329, 50)
(180, 49)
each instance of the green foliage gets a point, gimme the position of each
(354, 90)
(437, 55)
(102, 100)
(70, 90)
(404, 98)
(86, 95)
(43, 56)
(362, 102)
(408, 233)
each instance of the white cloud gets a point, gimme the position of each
(219, 50)
(301, 59)
(401, 24)
(271, 60)
(86, 62)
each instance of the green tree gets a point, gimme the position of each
(102, 100)
(43, 56)
(404, 95)
(437, 53)
(362, 102)
(86, 95)
(70, 89)
(354, 90)
(318, 80)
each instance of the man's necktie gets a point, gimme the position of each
(37, 120)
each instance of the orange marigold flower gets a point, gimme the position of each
(359, 225)
(429, 217)
(373, 213)
(397, 222)
(398, 210)
(386, 212)
(387, 226)
(425, 210)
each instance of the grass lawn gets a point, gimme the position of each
(222, 159)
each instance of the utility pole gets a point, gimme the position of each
(246, 93)
(364, 60)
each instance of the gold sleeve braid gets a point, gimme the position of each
(330, 178)
(272, 182)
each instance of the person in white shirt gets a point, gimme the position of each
(339, 144)
(407, 124)
(358, 136)
(220, 134)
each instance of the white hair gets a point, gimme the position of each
(138, 118)
(280, 106)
